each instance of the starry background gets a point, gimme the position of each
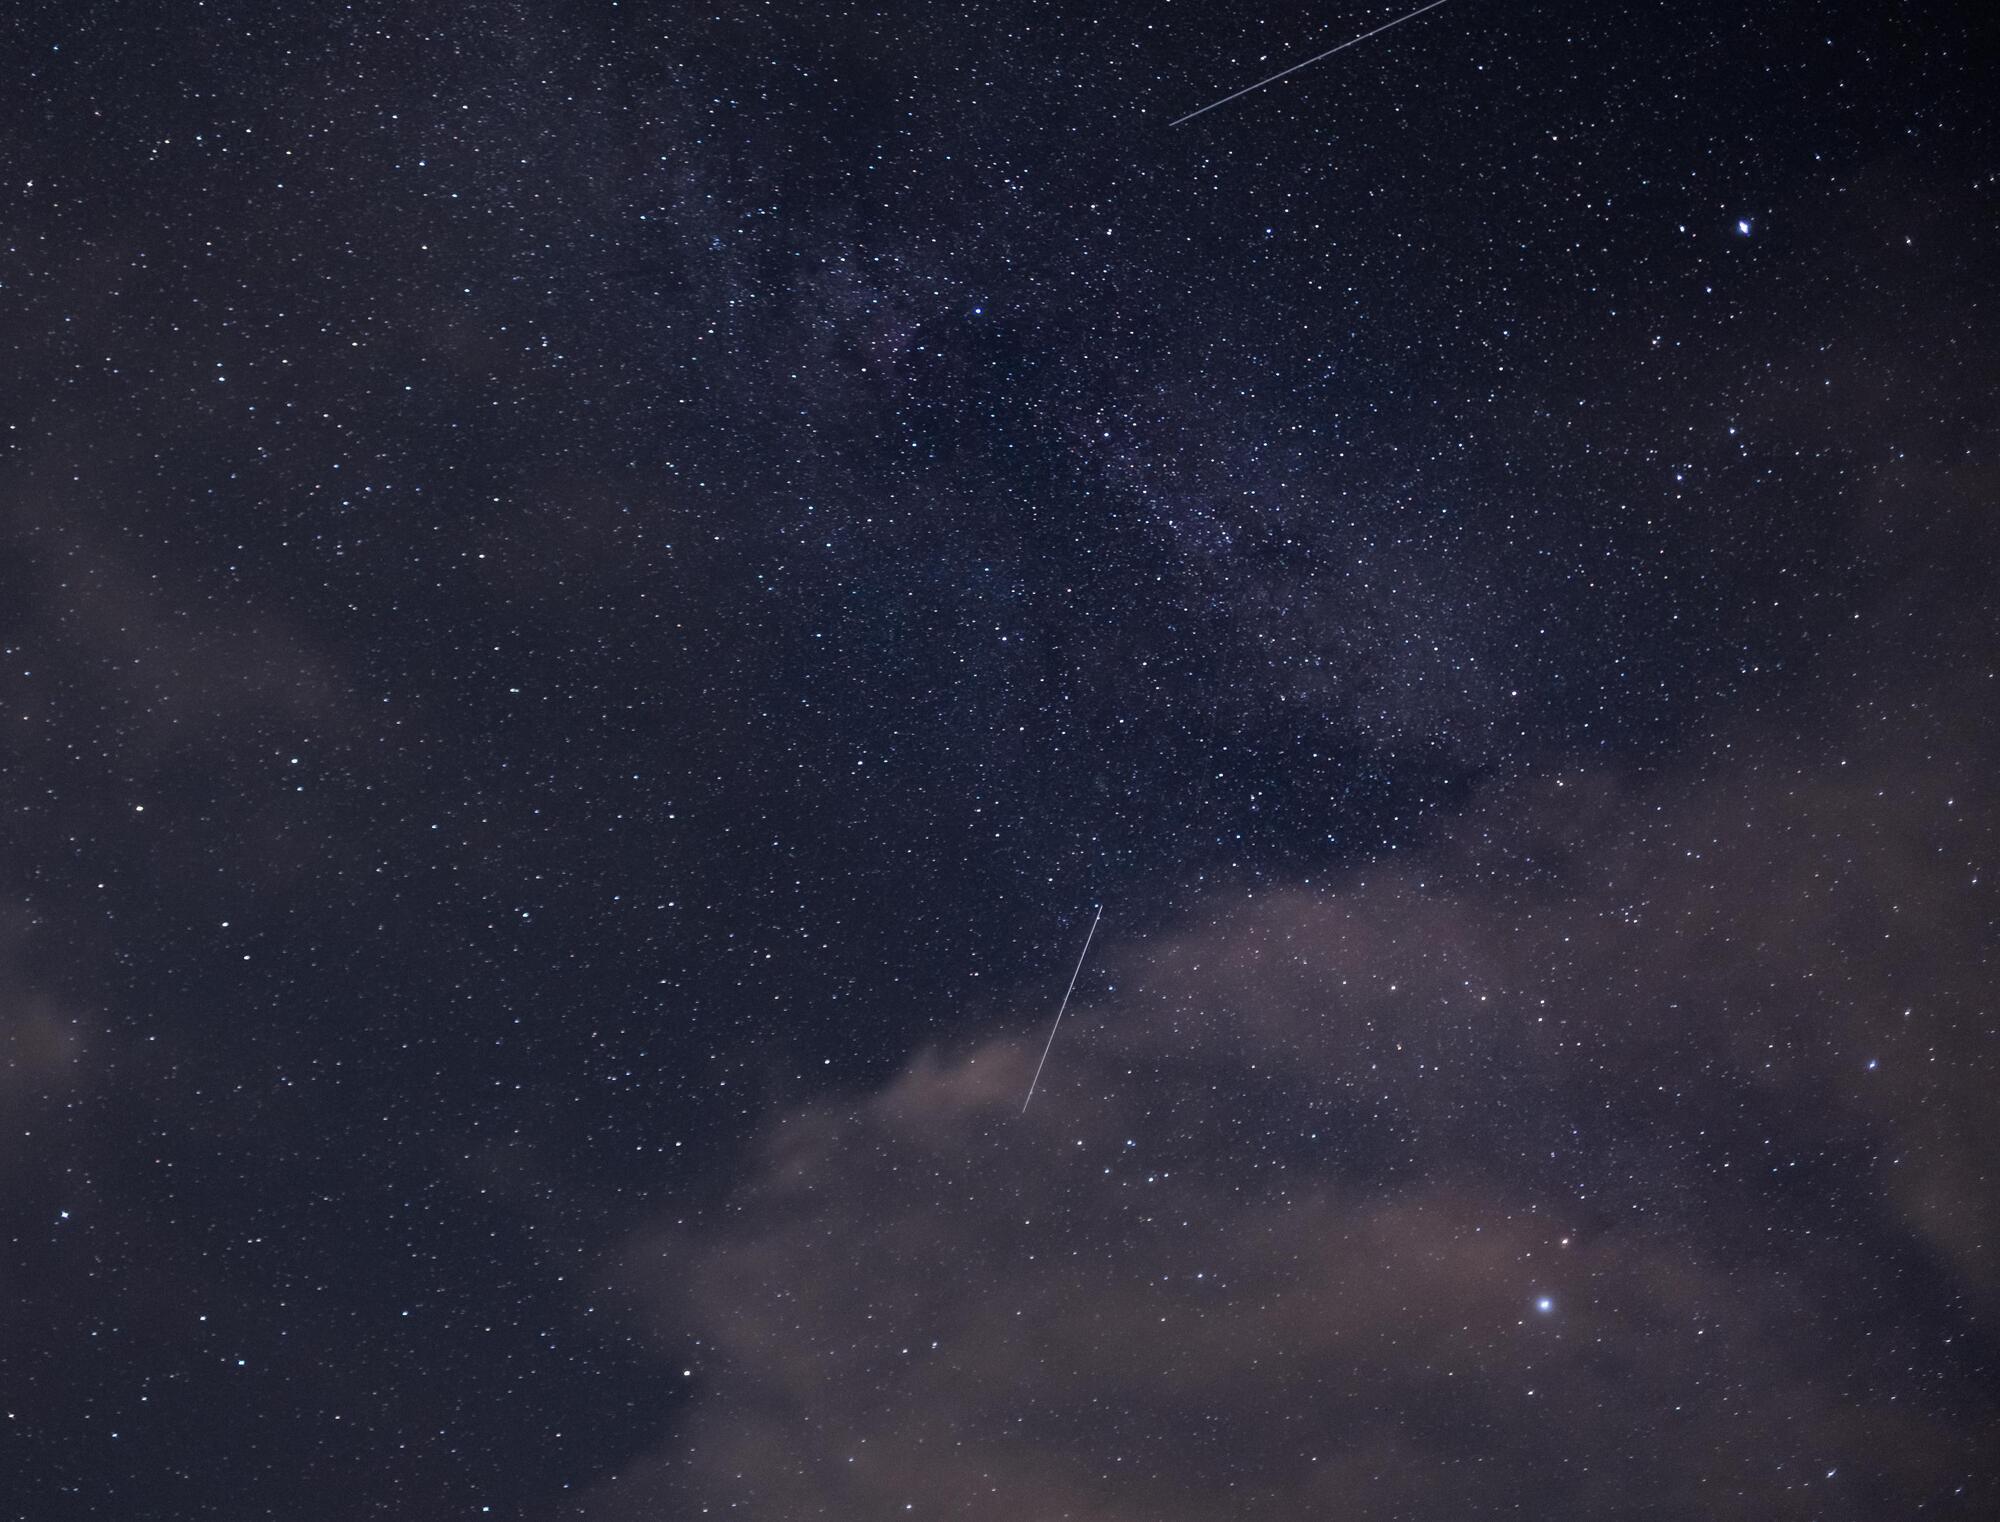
(593, 595)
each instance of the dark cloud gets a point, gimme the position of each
(1701, 1059)
(41, 1039)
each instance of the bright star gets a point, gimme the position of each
(1545, 1305)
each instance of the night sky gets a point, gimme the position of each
(594, 595)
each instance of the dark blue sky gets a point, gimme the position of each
(594, 595)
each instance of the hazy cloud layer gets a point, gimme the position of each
(1704, 1062)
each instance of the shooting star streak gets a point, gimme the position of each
(1063, 1006)
(1308, 63)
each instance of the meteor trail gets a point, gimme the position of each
(1063, 1006)
(1310, 61)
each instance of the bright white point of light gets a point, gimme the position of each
(1545, 1305)
(1872, 1064)
(1743, 227)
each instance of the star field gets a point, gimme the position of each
(594, 596)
